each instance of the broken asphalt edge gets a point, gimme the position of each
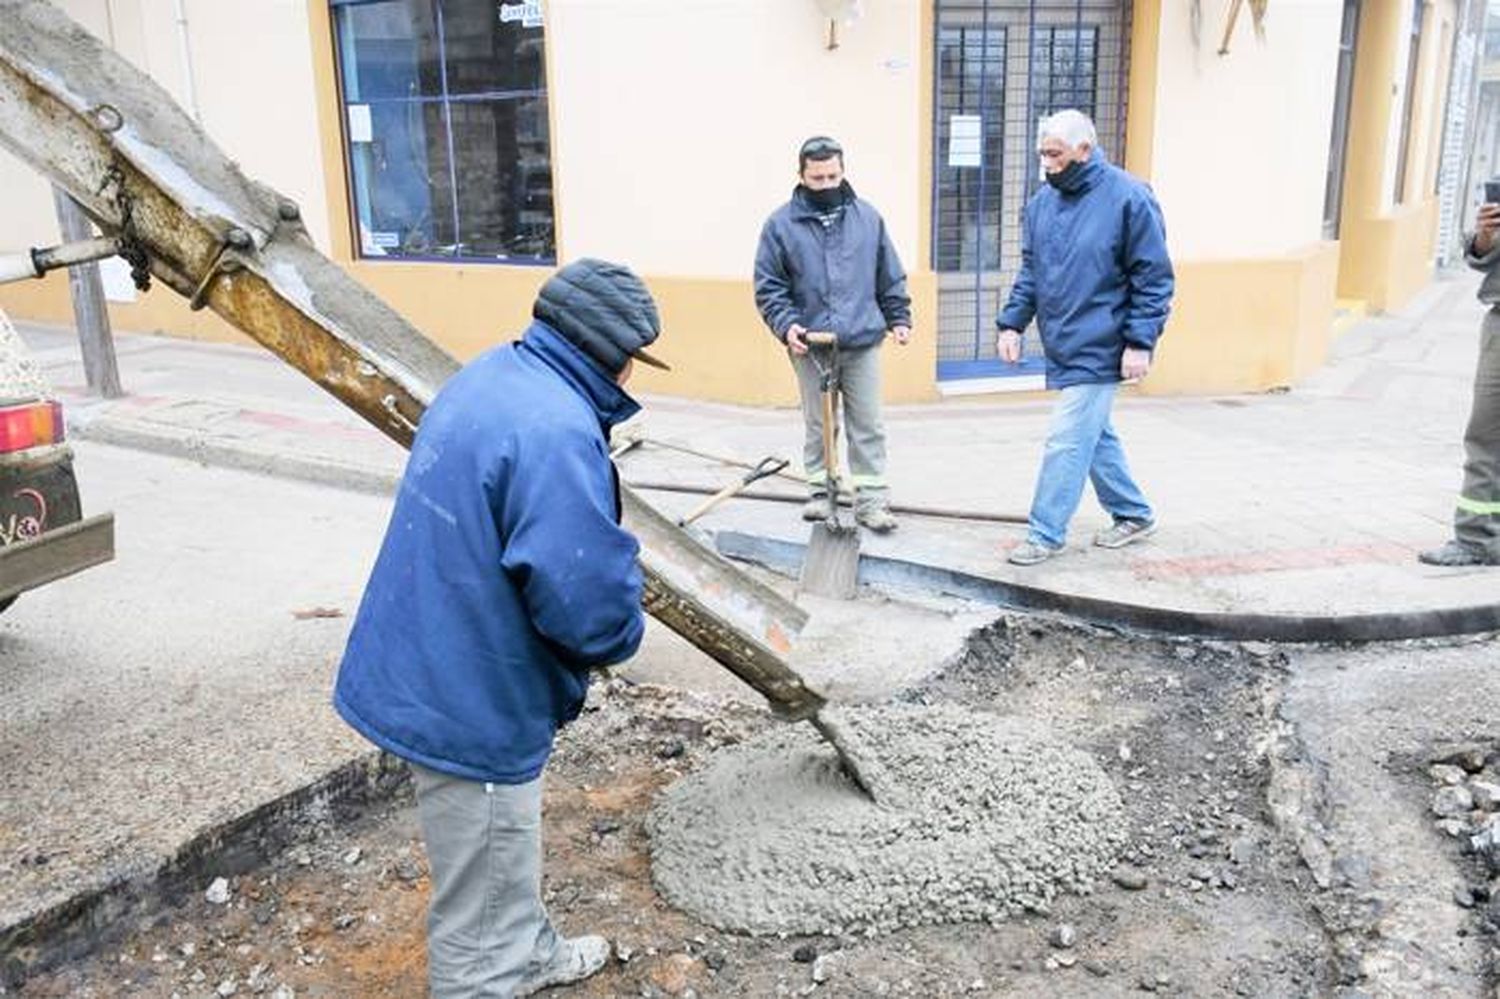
(107, 910)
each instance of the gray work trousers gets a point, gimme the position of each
(859, 392)
(486, 926)
(1477, 519)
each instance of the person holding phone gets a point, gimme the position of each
(1476, 517)
(1096, 277)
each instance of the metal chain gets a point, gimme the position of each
(131, 247)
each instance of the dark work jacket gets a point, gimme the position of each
(845, 278)
(1094, 273)
(504, 575)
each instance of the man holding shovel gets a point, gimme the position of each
(826, 264)
(504, 578)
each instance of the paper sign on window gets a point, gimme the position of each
(360, 128)
(965, 142)
(528, 12)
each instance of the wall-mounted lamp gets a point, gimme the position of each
(844, 12)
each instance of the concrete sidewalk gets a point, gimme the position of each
(1312, 501)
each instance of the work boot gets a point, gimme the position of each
(877, 518)
(576, 959)
(1456, 553)
(1030, 553)
(816, 508)
(1125, 532)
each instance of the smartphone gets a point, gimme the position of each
(1492, 192)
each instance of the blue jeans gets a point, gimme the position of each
(1081, 444)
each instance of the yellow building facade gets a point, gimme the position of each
(450, 153)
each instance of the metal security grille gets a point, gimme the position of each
(1000, 67)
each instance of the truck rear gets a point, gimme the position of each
(43, 533)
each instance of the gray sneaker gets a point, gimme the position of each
(576, 959)
(1030, 553)
(877, 518)
(816, 508)
(1456, 553)
(1125, 532)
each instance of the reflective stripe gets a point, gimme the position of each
(867, 481)
(1482, 507)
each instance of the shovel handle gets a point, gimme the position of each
(820, 339)
(766, 468)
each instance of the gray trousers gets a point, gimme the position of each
(1477, 519)
(486, 926)
(859, 391)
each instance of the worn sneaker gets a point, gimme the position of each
(1456, 553)
(576, 959)
(816, 508)
(1030, 553)
(877, 518)
(1125, 532)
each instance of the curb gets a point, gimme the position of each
(786, 557)
(242, 456)
(879, 571)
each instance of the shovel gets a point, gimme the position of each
(831, 565)
(766, 468)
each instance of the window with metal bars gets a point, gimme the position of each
(998, 67)
(1065, 70)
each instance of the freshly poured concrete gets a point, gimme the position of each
(979, 818)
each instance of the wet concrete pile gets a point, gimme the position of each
(981, 818)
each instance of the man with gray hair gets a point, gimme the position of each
(1096, 278)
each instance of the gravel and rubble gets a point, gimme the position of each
(1211, 896)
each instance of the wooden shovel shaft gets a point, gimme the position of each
(830, 454)
(766, 468)
(711, 502)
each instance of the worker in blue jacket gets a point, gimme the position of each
(1096, 278)
(504, 578)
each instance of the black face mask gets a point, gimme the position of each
(1066, 179)
(827, 199)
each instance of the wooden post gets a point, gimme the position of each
(89, 309)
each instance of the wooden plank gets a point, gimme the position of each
(90, 312)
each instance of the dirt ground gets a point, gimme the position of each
(1211, 899)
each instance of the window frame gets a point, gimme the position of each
(444, 100)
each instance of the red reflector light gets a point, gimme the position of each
(31, 425)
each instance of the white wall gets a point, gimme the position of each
(252, 73)
(1241, 144)
(677, 123)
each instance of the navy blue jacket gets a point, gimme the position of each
(845, 278)
(1094, 273)
(504, 575)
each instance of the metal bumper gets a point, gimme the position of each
(57, 553)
